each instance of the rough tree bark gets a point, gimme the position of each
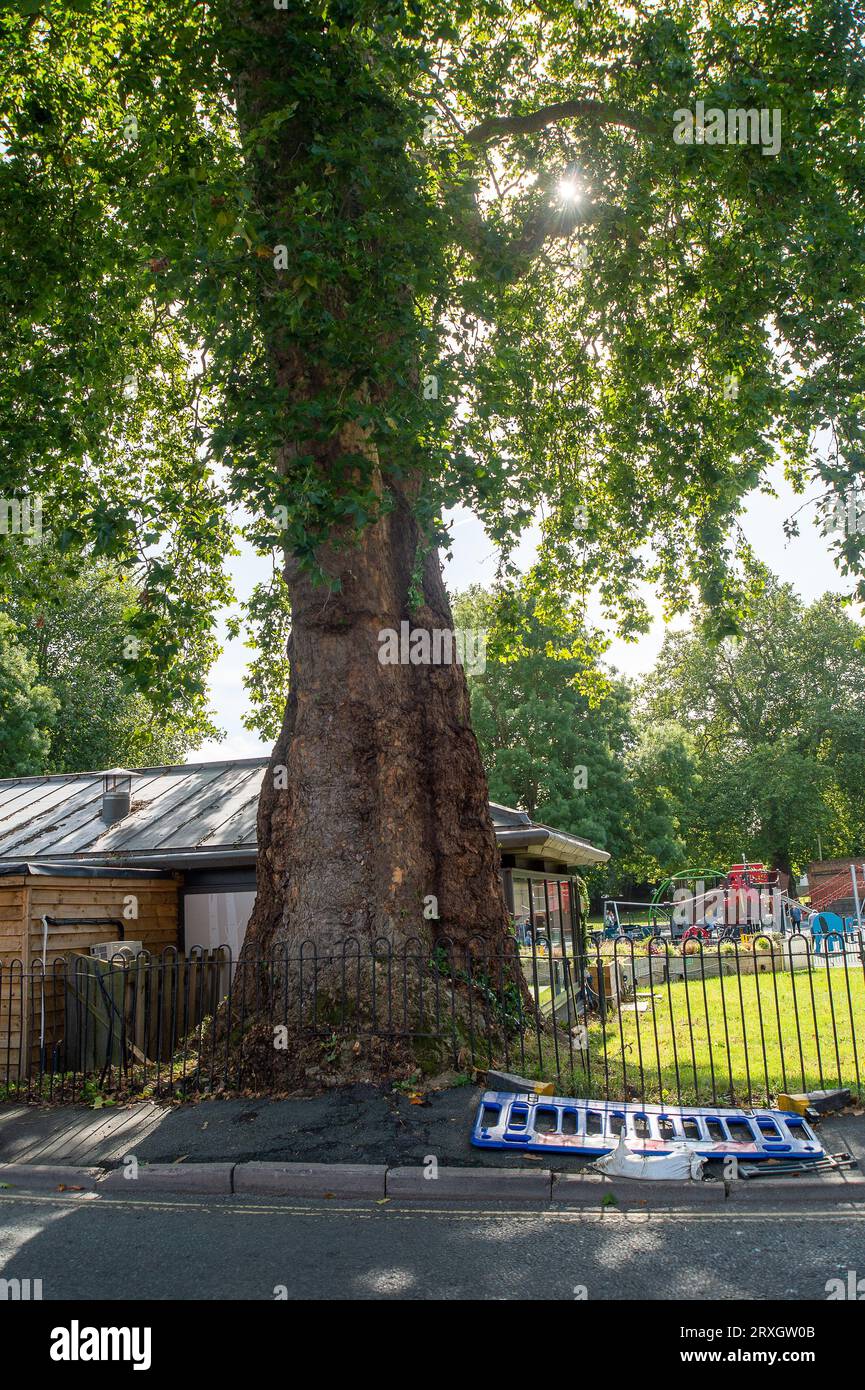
(383, 801)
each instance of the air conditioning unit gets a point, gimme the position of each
(108, 950)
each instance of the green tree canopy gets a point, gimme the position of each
(558, 736)
(753, 747)
(27, 709)
(664, 780)
(73, 622)
(550, 726)
(502, 271)
(776, 721)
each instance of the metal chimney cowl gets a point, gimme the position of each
(116, 794)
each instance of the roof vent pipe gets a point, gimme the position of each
(116, 794)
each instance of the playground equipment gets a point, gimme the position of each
(688, 878)
(751, 875)
(722, 901)
(627, 921)
(832, 933)
(707, 905)
(685, 878)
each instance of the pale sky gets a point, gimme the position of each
(805, 562)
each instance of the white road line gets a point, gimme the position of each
(608, 1216)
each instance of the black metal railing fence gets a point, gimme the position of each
(710, 1023)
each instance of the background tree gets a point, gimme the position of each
(26, 709)
(73, 621)
(551, 726)
(754, 747)
(362, 261)
(559, 737)
(664, 779)
(776, 718)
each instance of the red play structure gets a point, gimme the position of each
(751, 875)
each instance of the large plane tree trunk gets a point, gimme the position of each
(374, 822)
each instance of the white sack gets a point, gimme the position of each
(624, 1162)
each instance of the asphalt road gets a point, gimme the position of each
(232, 1248)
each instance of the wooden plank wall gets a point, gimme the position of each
(24, 901)
(14, 998)
(13, 913)
(156, 924)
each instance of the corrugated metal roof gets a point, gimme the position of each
(192, 814)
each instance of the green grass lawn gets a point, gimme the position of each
(738, 1048)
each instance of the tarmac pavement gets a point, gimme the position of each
(358, 1124)
(363, 1142)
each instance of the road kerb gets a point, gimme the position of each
(470, 1184)
(209, 1178)
(47, 1177)
(311, 1179)
(846, 1186)
(365, 1180)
